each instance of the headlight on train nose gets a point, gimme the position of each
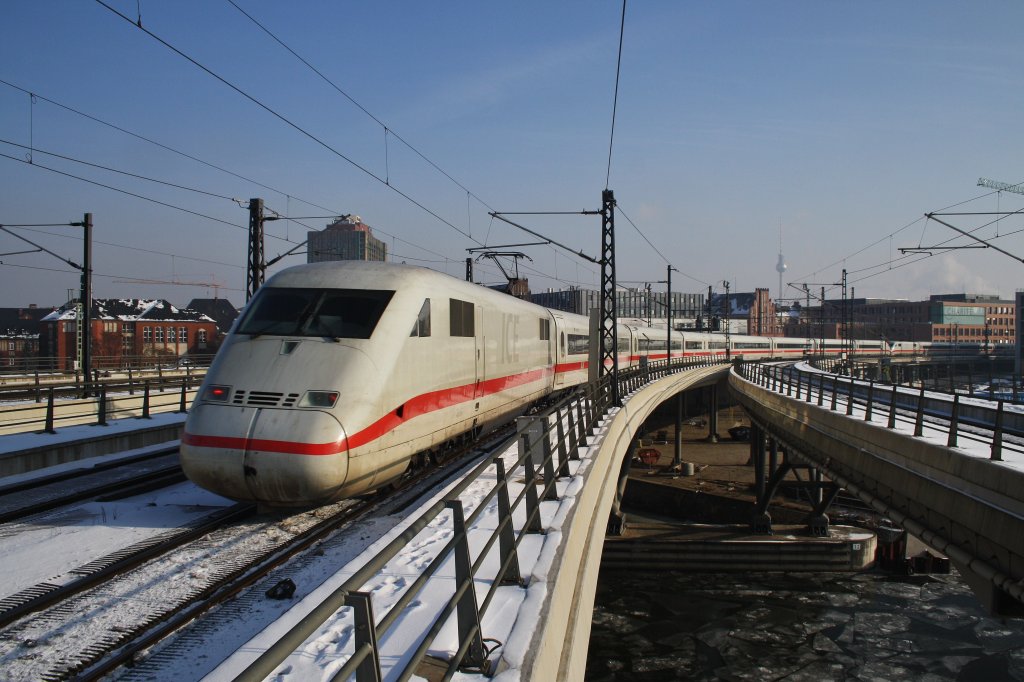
(218, 393)
(319, 399)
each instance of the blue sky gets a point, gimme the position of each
(840, 122)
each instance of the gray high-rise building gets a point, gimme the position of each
(347, 238)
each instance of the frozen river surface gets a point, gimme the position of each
(797, 627)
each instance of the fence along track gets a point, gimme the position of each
(544, 455)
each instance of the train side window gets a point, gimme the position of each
(563, 343)
(461, 318)
(422, 326)
(545, 330)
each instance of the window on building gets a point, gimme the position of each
(183, 335)
(147, 334)
(171, 336)
(158, 337)
(127, 328)
(202, 336)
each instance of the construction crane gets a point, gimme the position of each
(1001, 186)
(215, 285)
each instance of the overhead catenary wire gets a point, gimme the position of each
(921, 219)
(124, 191)
(167, 183)
(204, 162)
(287, 121)
(127, 247)
(615, 97)
(104, 275)
(155, 143)
(388, 130)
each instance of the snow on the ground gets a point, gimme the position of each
(967, 444)
(16, 442)
(323, 653)
(42, 548)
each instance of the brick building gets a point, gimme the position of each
(126, 332)
(19, 337)
(747, 313)
(950, 318)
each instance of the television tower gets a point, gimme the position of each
(781, 266)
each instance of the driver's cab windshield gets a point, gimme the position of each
(333, 313)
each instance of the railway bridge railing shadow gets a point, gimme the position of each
(533, 537)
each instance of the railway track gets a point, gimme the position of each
(129, 603)
(109, 480)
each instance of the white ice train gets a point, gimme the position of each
(337, 376)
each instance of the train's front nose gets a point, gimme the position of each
(286, 457)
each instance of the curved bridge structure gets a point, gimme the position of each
(964, 501)
(562, 633)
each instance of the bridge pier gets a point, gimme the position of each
(617, 517)
(713, 413)
(677, 458)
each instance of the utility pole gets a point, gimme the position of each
(728, 320)
(609, 316)
(844, 324)
(86, 321)
(707, 307)
(257, 266)
(647, 286)
(668, 322)
(821, 324)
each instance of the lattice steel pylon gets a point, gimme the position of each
(609, 360)
(256, 266)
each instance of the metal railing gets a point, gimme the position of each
(547, 444)
(896, 403)
(102, 363)
(115, 401)
(943, 374)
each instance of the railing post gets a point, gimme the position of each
(48, 426)
(581, 429)
(131, 385)
(532, 503)
(101, 407)
(849, 398)
(506, 532)
(145, 399)
(821, 390)
(798, 385)
(467, 611)
(563, 451)
(183, 406)
(835, 390)
(547, 459)
(871, 398)
(919, 420)
(365, 634)
(892, 408)
(789, 384)
(954, 422)
(39, 396)
(997, 433)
